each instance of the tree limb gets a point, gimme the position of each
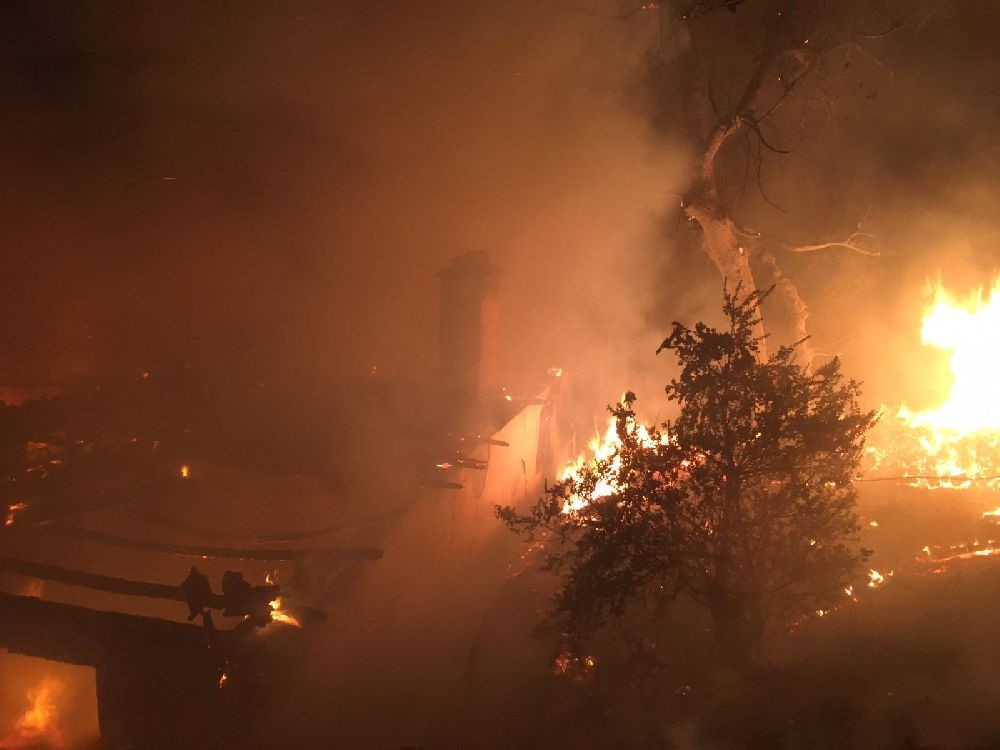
(851, 243)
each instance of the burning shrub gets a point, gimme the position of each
(743, 504)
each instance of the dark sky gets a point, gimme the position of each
(272, 185)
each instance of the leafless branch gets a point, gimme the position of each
(755, 126)
(745, 231)
(851, 243)
(788, 86)
(746, 162)
(760, 184)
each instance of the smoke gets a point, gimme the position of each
(270, 188)
(895, 135)
(273, 187)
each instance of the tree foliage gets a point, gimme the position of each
(744, 503)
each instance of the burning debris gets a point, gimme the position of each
(957, 444)
(38, 726)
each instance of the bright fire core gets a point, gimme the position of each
(970, 331)
(958, 442)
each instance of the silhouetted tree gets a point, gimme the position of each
(738, 85)
(744, 503)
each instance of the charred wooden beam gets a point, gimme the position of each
(229, 553)
(94, 581)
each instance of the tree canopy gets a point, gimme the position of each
(744, 503)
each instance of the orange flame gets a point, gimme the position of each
(957, 443)
(12, 511)
(279, 615)
(603, 448)
(38, 725)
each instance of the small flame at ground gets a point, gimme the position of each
(12, 511)
(38, 725)
(876, 579)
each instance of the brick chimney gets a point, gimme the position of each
(468, 339)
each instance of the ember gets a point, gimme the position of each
(12, 511)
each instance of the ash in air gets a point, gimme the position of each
(574, 373)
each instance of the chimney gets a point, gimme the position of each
(468, 339)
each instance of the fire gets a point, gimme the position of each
(279, 615)
(970, 330)
(12, 511)
(185, 471)
(876, 579)
(958, 442)
(38, 725)
(601, 448)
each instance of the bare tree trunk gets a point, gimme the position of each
(794, 307)
(729, 250)
(720, 240)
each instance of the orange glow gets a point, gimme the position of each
(12, 511)
(602, 448)
(958, 442)
(970, 330)
(38, 725)
(279, 615)
(876, 579)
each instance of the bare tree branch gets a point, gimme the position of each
(760, 183)
(851, 243)
(755, 126)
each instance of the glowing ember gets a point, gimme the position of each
(876, 579)
(12, 511)
(957, 443)
(279, 615)
(961, 552)
(37, 726)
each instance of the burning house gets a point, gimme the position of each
(158, 521)
(284, 465)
